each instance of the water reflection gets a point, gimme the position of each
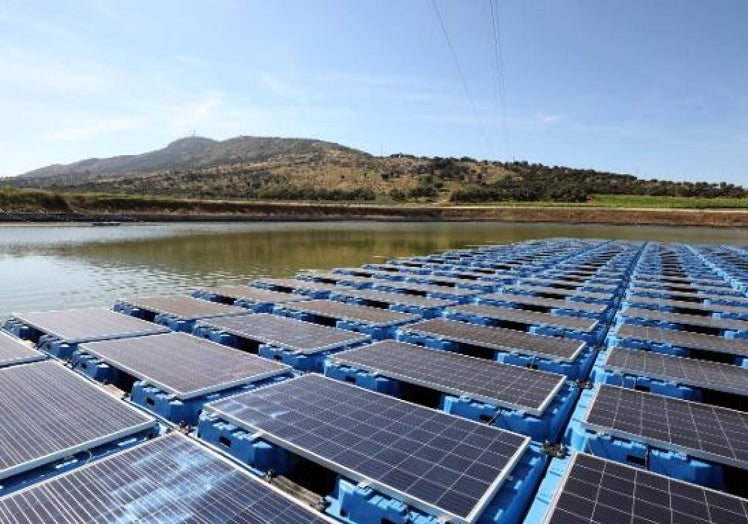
(56, 267)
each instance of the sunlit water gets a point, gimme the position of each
(53, 267)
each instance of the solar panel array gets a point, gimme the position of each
(13, 351)
(435, 461)
(82, 325)
(600, 491)
(521, 316)
(169, 479)
(48, 412)
(287, 333)
(183, 365)
(701, 430)
(352, 312)
(688, 371)
(509, 386)
(185, 308)
(443, 465)
(499, 339)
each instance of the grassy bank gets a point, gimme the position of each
(29, 204)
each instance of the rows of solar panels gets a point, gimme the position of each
(468, 386)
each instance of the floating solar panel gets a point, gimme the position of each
(700, 430)
(684, 339)
(250, 294)
(286, 333)
(355, 313)
(521, 316)
(169, 479)
(293, 284)
(716, 281)
(680, 304)
(599, 491)
(183, 365)
(686, 320)
(687, 371)
(444, 465)
(83, 325)
(543, 290)
(548, 303)
(689, 296)
(518, 388)
(335, 278)
(13, 351)
(426, 289)
(183, 308)
(393, 298)
(49, 413)
(498, 339)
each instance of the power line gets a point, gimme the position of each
(459, 71)
(499, 62)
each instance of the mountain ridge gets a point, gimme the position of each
(304, 169)
(187, 152)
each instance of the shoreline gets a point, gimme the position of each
(242, 212)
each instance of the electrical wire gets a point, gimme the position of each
(499, 63)
(459, 70)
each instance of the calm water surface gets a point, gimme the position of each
(53, 267)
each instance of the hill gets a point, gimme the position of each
(269, 168)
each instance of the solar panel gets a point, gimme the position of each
(499, 339)
(292, 284)
(14, 351)
(680, 304)
(684, 339)
(49, 413)
(687, 371)
(560, 283)
(686, 320)
(168, 479)
(640, 290)
(393, 298)
(184, 308)
(716, 281)
(251, 294)
(426, 289)
(287, 333)
(335, 278)
(521, 316)
(83, 325)
(353, 312)
(680, 286)
(700, 430)
(445, 465)
(183, 365)
(508, 386)
(543, 290)
(549, 303)
(599, 491)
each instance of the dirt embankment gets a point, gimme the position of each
(174, 210)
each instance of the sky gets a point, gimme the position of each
(658, 89)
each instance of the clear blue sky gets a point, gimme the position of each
(656, 88)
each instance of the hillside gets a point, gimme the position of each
(262, 168)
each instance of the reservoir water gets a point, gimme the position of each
(55, 267)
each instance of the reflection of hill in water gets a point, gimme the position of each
(278, 252)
